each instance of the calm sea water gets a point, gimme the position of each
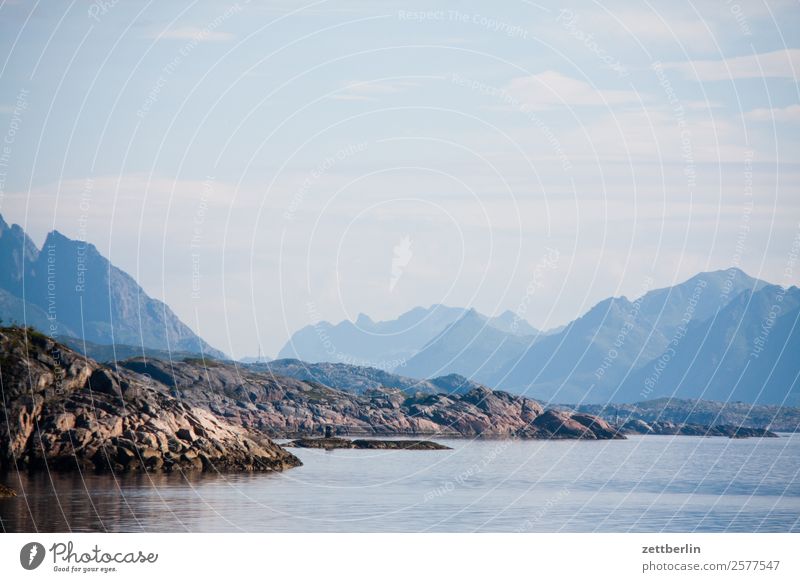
(641, 484)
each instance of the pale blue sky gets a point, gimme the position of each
(632, 141)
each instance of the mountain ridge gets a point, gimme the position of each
(614, 352)
(82, 294)
(598, 356)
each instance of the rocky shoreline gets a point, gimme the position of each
(65, 411)
(691, 429)
(289, 408)
(776, 418)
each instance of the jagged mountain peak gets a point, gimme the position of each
(384, 344)
(364, 320)
(93, 299)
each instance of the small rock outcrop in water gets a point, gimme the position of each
(704, 412)
(65, 411)
(7, 491)
(341, 443)
(669, 428)
(399, 445)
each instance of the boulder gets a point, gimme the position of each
(7, 491)
(636, 426)
(184, 434)
(558, 425)
(598, 426)
(104, 382)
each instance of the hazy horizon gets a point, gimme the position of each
(258, 168)
(519, 313)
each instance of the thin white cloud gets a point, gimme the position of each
(616, 30)
(655, 27)
(702, 105)
(552, 89)
(351, 97)
(124, 193)
(783, 64)
(656, 135)
(195, 34)
(371, 90)
(790, 114)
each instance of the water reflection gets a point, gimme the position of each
(642, 484)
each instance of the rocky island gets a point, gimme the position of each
(636, 426)
(284, 407)
(678, 411)
(66, 411)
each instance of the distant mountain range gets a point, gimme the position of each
(748, 351)
(391, 344)
(381, 344)
(472, 346)
(720, 335)
(593, 356)
(68, 289)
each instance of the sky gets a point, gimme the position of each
(260, 166)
